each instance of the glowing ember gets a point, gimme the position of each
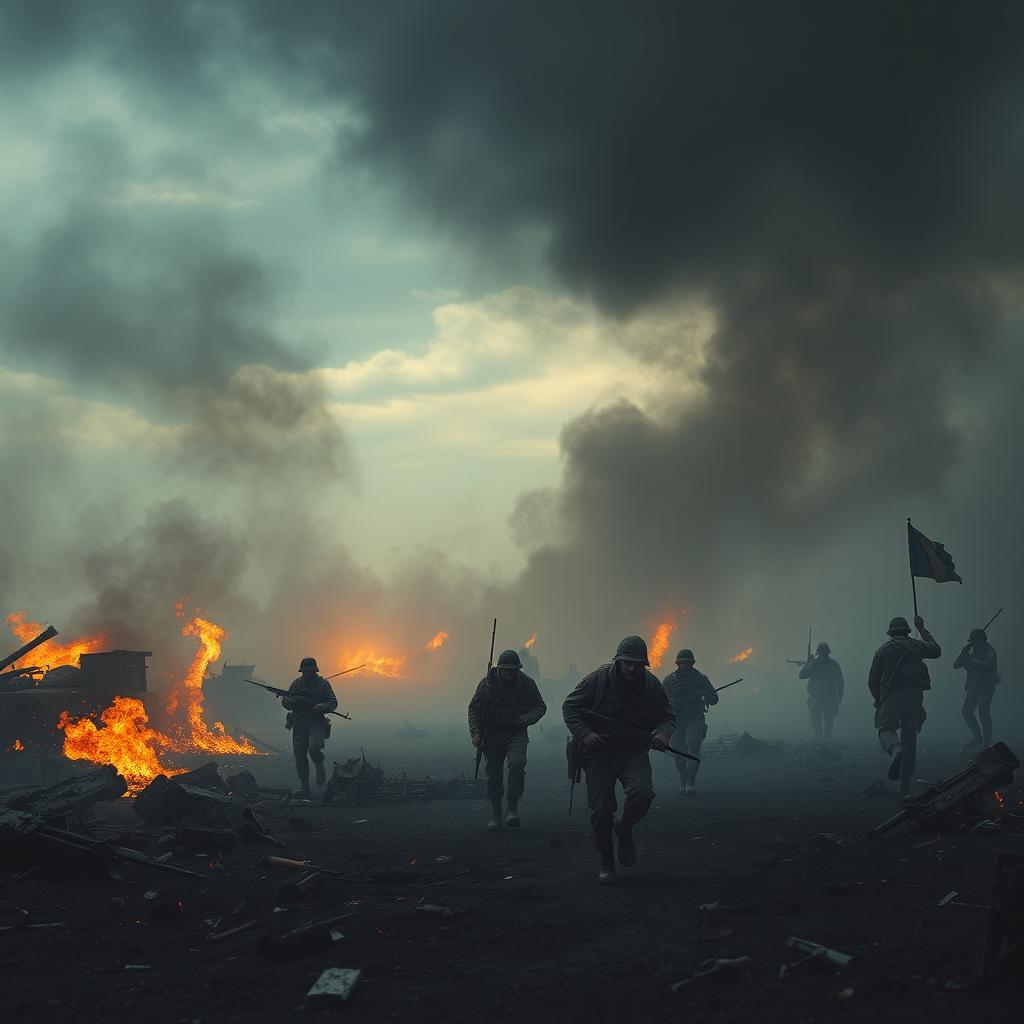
(189, 691)
(126, 741)
(436, 641)
(53, 653)
(533, 639)
(18, 745)
(743, 655)
(373, 663)
(659, 642)
(1001, 800)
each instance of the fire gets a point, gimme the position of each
(374, 664)
(533, 639)
(18, 745)
(659, 642)
(436, 641)
(190, 692)
(126, 741)
(1001, 800)
(743, 655)
(53, 653)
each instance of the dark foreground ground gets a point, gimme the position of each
(543, 941)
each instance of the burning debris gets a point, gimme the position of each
(965, 798)
(436, 641)
(56, 654)
(743, 655)
(660, 641)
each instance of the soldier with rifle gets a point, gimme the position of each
(897, 680)
(690, 693)
(309, 699)
(978, 657)
(824, 691)
(616, 715)
(505, 703)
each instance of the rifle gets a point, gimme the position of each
(345, 671)
(628, 732)
(808, 659)
(292, 696)
(483, 716)
(718, 689)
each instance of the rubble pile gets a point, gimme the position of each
(356, 781)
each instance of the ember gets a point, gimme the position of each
(126, 741)
(743, 655)
(659, 642)
(18, 745)
(533, 639)
(436, 641)
(56, 654)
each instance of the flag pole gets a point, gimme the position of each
(913, 582)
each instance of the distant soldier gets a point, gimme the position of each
(505, 703)
(308, 722)
(690, 693)
(635, 715)
(979, 658)
(824, 691)
(897, 681)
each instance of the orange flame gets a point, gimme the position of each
(18, 745)
(533, 639)
(436, 641)
(743, 655)
(126, 741)
(659, 642)
(53, 653)
(1001, 800)
(190, 691)
(372, 662)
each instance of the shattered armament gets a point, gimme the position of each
(292, 696)
(627, 732)
(47, 634)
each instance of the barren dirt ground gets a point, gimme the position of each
(543, 941)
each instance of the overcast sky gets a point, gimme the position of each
(349, 323)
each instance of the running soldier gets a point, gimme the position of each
(979, 658)
(690, 693)
(307, 721)
(824, 691)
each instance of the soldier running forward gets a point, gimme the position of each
(505, 703)
(635, 715)
(824, 691)
(690, 693)
(979, 658)
(308, 723)
(897, 681)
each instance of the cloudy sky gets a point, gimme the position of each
(347, 323)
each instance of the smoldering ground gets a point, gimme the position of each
(836, 189)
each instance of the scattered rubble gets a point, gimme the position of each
(716, 965)
(356, 781)
(814, 951)
(334, 986)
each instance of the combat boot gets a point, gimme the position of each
(691, 789)
(606, 873)
(303, 780)
(321, 774)
(627, 848)
(494, 824)
(512, 815)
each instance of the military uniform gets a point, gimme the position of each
(639, 705)
(824, 692)
(897, 680)
(690, 693)
(979, 658)
(495, 707)
(310, 728)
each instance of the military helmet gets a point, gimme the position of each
(632, 648)
(898, 625)
(978, 634)
(823, 648)
(685, 655)
(308, 663)
(509, 659)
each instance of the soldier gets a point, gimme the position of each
(690, 693)
(824, 691)
(505, 703)
(897, 681)
(625, 692)
(979, 658)
(309, 725)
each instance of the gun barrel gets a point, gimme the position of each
(47, 634)
(718, 689)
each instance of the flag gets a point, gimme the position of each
(929, 558)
